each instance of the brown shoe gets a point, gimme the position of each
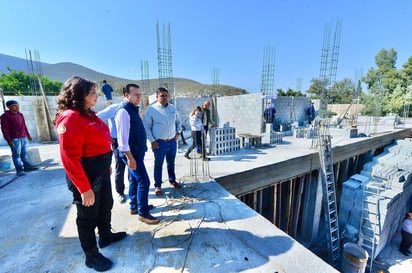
(158, 191)
(175, 184)
(149, 219)
(134, 211)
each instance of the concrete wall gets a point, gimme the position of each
(29, 106)
(185, 105)
(243, 112)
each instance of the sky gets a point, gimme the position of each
(113, 37)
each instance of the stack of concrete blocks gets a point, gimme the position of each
(350, 208)
(223, 140)
(271, 137)
(300, 132)
(388, 179)
(311, 132)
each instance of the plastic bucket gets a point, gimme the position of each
(33, 156)
(354, 258)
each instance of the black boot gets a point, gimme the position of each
(107, 239)
(29, 168)
(97, 261)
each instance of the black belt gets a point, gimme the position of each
(166, 139)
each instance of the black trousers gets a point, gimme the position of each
(99, 215)
(197, 142)
(119, 168)
(406, 241)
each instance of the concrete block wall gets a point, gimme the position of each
(27, 107)
(291, 109)
(244, 112)
(185, 105)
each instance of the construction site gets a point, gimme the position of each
(281, 196)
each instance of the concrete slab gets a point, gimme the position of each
(203, 229)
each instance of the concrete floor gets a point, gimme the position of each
(203, 227)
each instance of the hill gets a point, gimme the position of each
(63, 71)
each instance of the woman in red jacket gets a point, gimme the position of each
(86, 156)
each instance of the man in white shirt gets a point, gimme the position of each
(163, 126)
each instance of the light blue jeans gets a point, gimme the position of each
(19, 153)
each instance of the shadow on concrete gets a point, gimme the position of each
(210, 249)
(243, 155)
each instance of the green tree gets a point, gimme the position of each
(386, 83)
(317, 88)
(385, 77)
(289, 93)
(343, 92)
(19, 83)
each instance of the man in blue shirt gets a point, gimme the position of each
(107, 91)
(163, 126)
(107, 114)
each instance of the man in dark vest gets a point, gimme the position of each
(131, 136)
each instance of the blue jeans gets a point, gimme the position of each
(139, 184)
(19, 153)
(167, 149)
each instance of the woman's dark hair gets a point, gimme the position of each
(72, 95)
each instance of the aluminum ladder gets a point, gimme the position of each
(329, 197)
(370, 220)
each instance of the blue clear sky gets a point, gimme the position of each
(114, 36)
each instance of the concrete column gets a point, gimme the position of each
(312, 207)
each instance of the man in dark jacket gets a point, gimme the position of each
(15, 132)
(107, 91)
(131, 136)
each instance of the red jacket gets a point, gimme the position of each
(80, 136)
(13, 125)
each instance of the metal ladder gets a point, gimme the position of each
(370, 220)
(329, 196)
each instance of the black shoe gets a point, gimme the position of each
(29, 168)
(122, 198)
(188, 157)
(206, 159)
(20, 173)
(97, 261)
(107, 239)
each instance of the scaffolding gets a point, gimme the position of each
(327, 78)
(144, 69)
(44, 125)
(329, 63)
(267, 88)
(215, 81)
(164, 56)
